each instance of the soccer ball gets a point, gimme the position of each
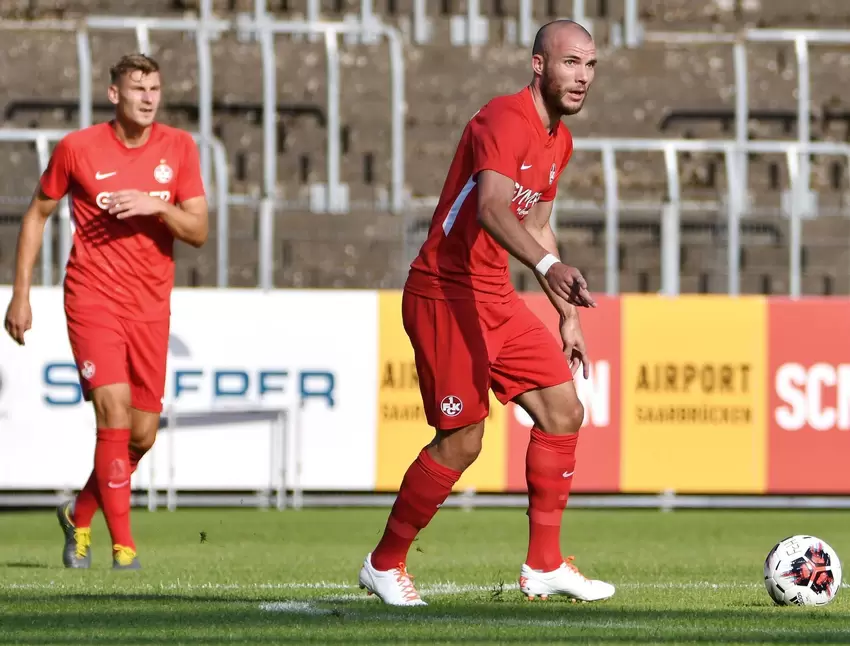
(802, 571)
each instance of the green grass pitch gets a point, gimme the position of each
(267, 577)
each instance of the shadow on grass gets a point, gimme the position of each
(25, 565)
(154, 618)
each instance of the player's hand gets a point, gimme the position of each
(568, 283)
(18, 318)
(574, 345)
(128, 204)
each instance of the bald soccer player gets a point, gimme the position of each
(471, 332)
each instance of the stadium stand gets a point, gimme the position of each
(653, 91)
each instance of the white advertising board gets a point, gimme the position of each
(314, 351)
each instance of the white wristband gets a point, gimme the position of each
(544, 265)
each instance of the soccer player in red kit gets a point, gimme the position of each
(471, 332)
(135, 186)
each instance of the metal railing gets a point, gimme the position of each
(284, 448)
(41, 138)
(261, 27)
(202, 28)
(733, 152)
(264, 29)
(802, 39)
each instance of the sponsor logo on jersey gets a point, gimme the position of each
(524, 198)
(102, 199)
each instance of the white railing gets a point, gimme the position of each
(733, 151)
(263, 29)
(284, 451)
(367, 27)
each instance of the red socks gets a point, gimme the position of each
(112, 472)
(549, 465)
(88, 500)
(425, 487)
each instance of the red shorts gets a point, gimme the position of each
(112, 350)
(464, 348)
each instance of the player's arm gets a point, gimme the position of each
(538, 225)
(495, 193)
(19, 314)
(188, 221)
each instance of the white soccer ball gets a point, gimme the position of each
(802, 571)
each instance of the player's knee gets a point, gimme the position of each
(467, 452)
(142, 442)
(459, 449)
(566, 418)
(112, 407)
(143, 431)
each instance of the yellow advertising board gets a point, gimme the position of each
(693, 378)
(402, 428)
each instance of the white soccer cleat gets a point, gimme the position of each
(393, 587)
(566, 580)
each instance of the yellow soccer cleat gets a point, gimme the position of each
(124, 558)
(77, 550)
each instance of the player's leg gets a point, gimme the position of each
(453, 379)
(112, 464)
(425, 486)
(100, 353)
(143, 428)
(147, 350)
(533, 372)
(550, 463)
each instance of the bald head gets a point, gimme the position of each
(564, 64)
(548, 32)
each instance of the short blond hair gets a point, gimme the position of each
(132, 63)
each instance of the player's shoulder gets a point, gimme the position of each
(172, 134)
(85, 136)
(506, 108)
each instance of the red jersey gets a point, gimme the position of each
(460, 260)
(125, 266)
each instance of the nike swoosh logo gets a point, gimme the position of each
(105, 175)
(525, 167)
(113, 485)
(567, 474)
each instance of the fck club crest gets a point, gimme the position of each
(163, 173)
(451, 406)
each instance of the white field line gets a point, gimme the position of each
(433, 589)
(308, 608)
(295, 607)
(418, 615)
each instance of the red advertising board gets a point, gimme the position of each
(598, 456)
(809, 401)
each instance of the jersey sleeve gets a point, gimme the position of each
(189, 181)
(499, 141)
(56, 178)
(550, 193)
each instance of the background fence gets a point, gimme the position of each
(331, 109)
(711, 158)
